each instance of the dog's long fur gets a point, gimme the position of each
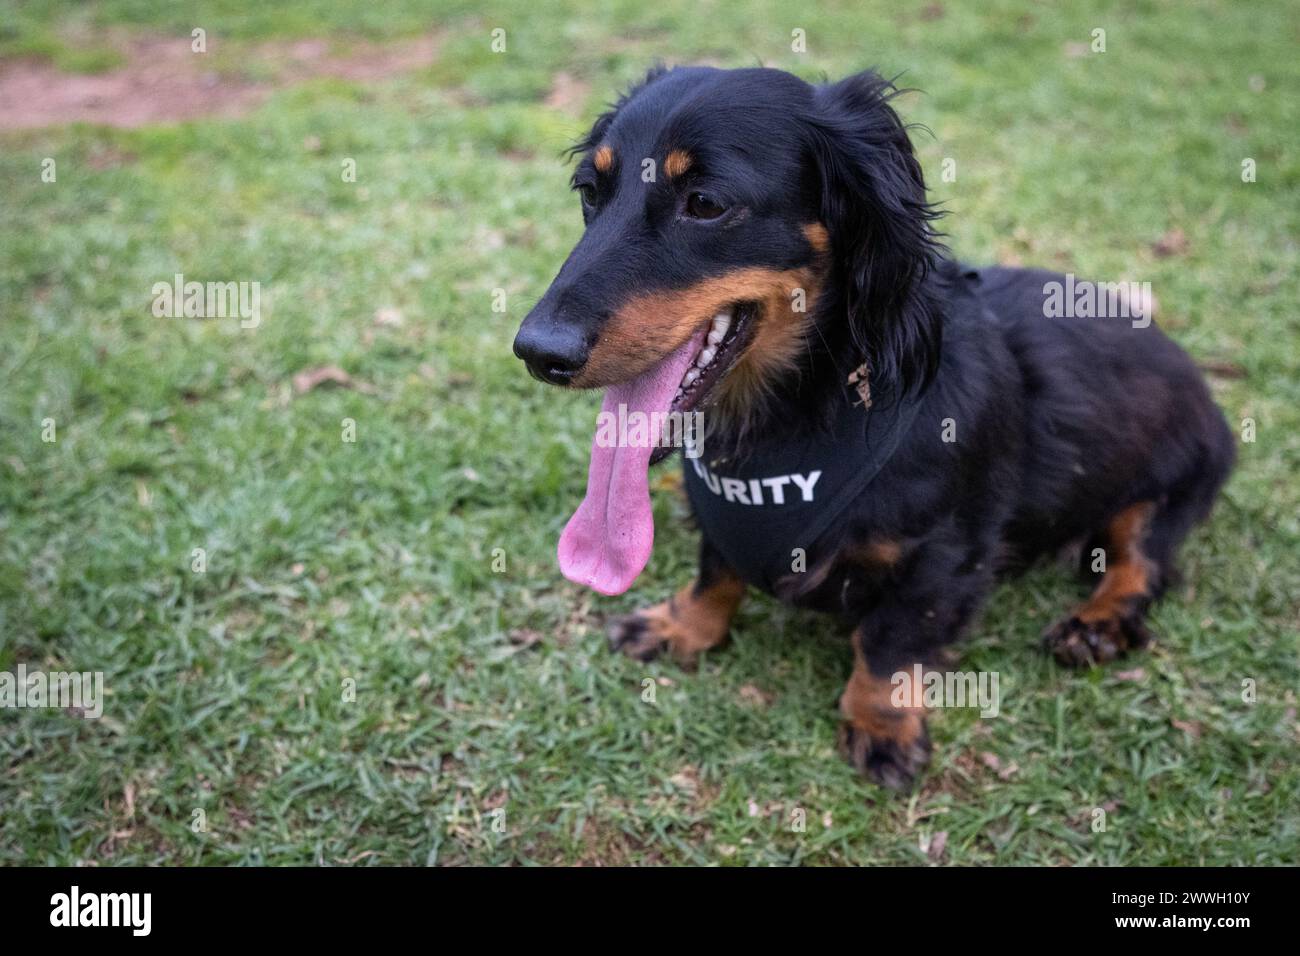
(1068, 431)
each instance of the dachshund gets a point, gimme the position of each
(885, 431)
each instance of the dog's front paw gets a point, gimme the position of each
(893, 757)
(693, 620)
(642, 636)
(1076, 642)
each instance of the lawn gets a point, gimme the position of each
(378, 662)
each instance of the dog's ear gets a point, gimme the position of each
(872, 200)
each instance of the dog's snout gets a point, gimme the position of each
(553, 352)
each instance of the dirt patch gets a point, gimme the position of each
(164, 81)
(568, 93)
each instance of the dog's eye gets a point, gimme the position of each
(588, 193)
(700, 206)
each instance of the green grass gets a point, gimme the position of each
(372, 560)
(43, 45)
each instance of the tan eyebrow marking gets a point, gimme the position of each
(676, 163)
(817, 237)
(604, 159)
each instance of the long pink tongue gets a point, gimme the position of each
(608, 540)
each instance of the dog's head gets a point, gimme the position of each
(737, 223)
(746, 234)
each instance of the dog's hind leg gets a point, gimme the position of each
(1111, 621)
(1140, 543)
(694, 619)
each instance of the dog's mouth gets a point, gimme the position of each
(728, 333)
(609, 538)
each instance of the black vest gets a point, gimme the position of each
(787, 493)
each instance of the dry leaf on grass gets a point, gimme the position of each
(312, 378)
(686, 779)
(1222, 369)
(525, 637)
(933, 846)
(1172, 243)
(992, 761)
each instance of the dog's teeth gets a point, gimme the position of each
(717, 332)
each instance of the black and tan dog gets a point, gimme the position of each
(886, 430)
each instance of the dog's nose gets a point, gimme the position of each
(553, 353)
